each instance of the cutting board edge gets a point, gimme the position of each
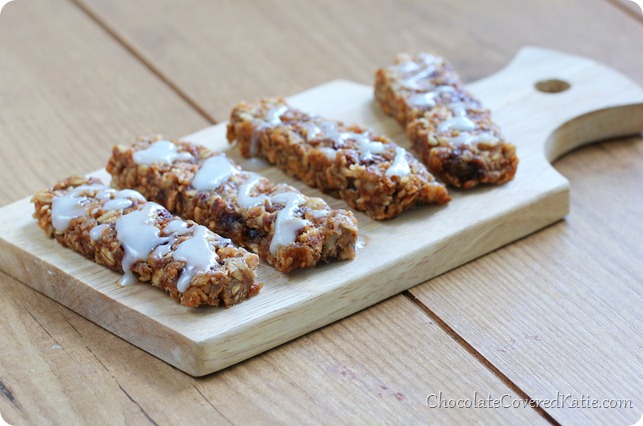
(202, 357)
(113, 315)
(557, 200)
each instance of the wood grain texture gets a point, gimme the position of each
(58, 369)
(481, 40)
(560, 311)
(62, 369)
(245, 50)
(66, 97)
(397, 254)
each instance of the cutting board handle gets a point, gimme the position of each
(580, 100)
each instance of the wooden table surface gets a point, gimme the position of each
(555, 314)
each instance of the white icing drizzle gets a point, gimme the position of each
(444, 89)
(487, 137)
(213, 173)
(465, 138)
(409, 65)
(428, 99)
(117, 204)
(70, 206)
(176, 227)
(116, 200)
(162, 151)
(318, 214)
(327, 130)
(460, 123)
(460, 106)
(430, 59)
(312, 130)
(366, 147)
(286, 224)
(400, 166)
(244, 199)
(138, 231)
(172, 230)
(271, 118)
(416, 71)
(129, 193)
(105, 194)
(423, 99)
(197, 253)
(459, 109)
(406, 66)
(413, 81)
(97, 231)
(254, 140)
(163, 250)
(138, 234)
(330, 153)
(66, 208)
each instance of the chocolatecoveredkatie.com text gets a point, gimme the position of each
(559, 400)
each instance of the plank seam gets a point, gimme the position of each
(62, 313)
(147, 416)
(146, 62)
(4, 390)
(480, 358)
(213, 406)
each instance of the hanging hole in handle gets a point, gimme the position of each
(552, 85)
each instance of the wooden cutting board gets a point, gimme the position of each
(396, 254)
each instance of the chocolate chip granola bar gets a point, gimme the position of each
(123, 231)
(368, 171)
(286, 228)
(449, 129)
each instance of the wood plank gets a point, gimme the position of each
(67, 97)
(56, 367)
(281, 47)
(203, 341)
(324, 377)
(67, 94)
(560, 311)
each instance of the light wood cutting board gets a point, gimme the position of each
(396, 254)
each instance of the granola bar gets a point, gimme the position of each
(286, 228)
(123, 231)
(449, 129)
(368, 171)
